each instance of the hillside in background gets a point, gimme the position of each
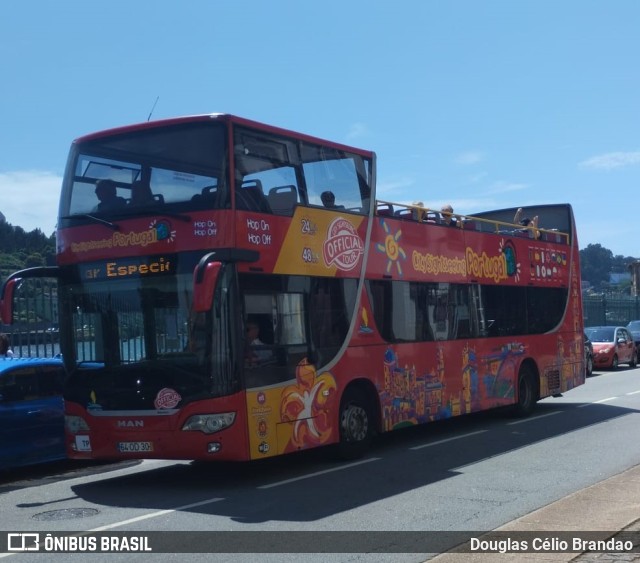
(20, 249)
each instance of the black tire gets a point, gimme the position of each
(614, 362)
(356, 424)
(634, 360)
(589, 366)
(527, 392)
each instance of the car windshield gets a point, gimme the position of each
(634, 326)
(601, 334)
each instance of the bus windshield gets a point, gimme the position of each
(173, 167)
(134, 339)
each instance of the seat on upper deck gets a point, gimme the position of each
(283, 199)
(250, 197)
(385, 209)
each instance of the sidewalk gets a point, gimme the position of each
(611, 505)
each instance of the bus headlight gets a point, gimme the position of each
(75, 424)
(210, 423)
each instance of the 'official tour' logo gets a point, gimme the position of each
(343, 246)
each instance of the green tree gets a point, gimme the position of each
(620, 264)
(19, 249)
(595, 263)
(33, 260)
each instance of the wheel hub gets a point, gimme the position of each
(355, 424)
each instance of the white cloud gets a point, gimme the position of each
(612, 160)
(30, 199)
(469, 157)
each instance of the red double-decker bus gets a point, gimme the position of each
(231, 291)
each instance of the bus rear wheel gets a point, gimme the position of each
(356, 424)
(527, 392)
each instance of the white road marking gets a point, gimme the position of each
(310, 475)
(447, 440)
(605, 400)
(532, 418)
(155, 514)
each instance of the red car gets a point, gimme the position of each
(612, 345)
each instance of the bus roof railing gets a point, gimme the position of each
(423, 214)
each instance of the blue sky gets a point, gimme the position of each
(480, 103)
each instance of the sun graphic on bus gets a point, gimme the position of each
(391, 248)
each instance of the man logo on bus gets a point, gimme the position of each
(343, 246)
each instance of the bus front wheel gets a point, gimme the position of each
(356, 424)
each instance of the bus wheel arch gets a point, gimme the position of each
(528, 389)
(358, 419)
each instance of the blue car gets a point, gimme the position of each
(31, 411)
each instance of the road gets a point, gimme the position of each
(474, 473)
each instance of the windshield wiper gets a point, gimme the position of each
(95, 219)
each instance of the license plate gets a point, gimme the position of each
(83, 444)
(135, 447)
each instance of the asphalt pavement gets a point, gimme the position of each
(613, 505)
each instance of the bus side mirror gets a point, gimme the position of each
(6, 300)
(205, 278)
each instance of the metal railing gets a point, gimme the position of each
(604, 310)
(34, 332)
(468, 222)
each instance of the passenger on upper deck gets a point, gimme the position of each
(140, 193)
(418, 212)
(531, 225)
(328, 199)
(109, 199)
(447, 216)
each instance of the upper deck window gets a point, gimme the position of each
(274, 173)
(177, 167)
